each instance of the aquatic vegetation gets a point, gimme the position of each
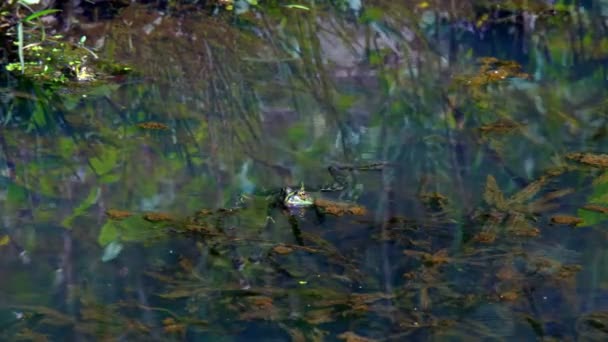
(440, 148)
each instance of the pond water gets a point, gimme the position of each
(454, 155)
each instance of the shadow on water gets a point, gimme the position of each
(353, 171)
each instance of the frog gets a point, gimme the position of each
(297, 198)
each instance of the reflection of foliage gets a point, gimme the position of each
(460, 231)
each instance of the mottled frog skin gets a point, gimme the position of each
(297, 198)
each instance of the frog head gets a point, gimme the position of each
(297, 198)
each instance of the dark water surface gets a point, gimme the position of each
(468, 142)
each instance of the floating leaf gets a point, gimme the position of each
(566, 220)
(282, 249)
(116, 214)
(157, 217)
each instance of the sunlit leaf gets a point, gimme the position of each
(4, 240)
(39, 14)
(296, 6)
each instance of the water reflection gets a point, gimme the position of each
(470, 197)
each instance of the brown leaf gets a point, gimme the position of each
(153, 126)
(566, 220)
(170, 326)
(529, 191)
(568, 271)
(485, 237)
(282, 249)
(596, 160)
(157, 217)
(519, 226)
(116, 214)
(597, 208)
(500, 126)
(544, 203)
(319, 316)
(492, 195)
(350, 336)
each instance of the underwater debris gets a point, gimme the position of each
(508, 296)
(568, 271)
(485, 237)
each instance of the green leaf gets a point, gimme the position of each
(109, 178)
(88, 202)
(40, 14)
(109, 232)
(105, 162)
(590, 218)
(133, 228)
(296, 6)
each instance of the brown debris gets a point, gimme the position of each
(568, 271)
(116, 214)
(339, 208)
(282, 249)
(596, 160)
(500, 126)
(170, 326)
(596, 208)
(350, 336)
(485, 237)
(566, 220)
(508, 296)
(151, 125)
(157, 217)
